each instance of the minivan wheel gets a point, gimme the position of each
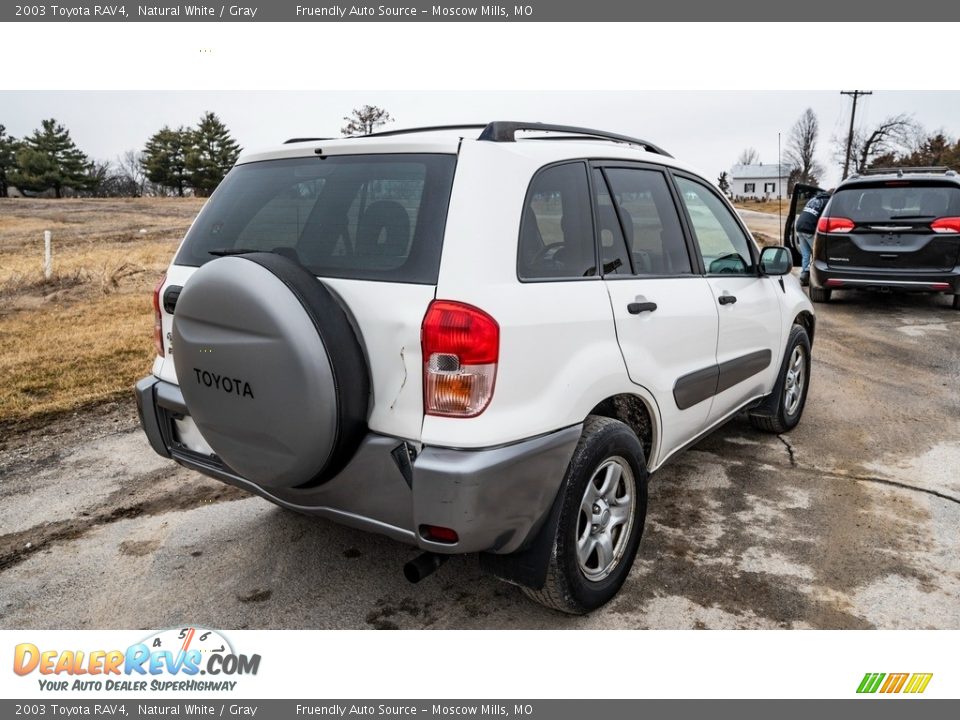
(782, 409)
(601, 521)
(819, 295)
(956, 302)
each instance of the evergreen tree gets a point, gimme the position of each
(8, 159)
(49, 159)
(212, 153)
(723, 183)
(165, 158)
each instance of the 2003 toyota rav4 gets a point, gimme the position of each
(478, 339)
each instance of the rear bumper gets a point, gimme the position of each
(823, 276)
(495, 498)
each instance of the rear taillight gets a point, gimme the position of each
(946, 225)
(461, 347)
(835, 225)
(158, 318)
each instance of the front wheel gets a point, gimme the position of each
(782, 409)
(603, 512)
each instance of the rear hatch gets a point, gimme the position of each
(893, 225)
(369, 226)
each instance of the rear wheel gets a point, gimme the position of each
(956, 302)
(601, 519)
(781, 411)
(819, 295)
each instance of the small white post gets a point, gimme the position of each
(47, 256)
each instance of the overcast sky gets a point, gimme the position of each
(707, 129)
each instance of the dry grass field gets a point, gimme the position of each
(84, 336)
(765, 206)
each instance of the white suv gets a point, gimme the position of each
(479, 339)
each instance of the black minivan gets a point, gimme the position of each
(890, 230)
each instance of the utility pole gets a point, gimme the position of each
(855, 94)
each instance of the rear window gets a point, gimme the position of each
(898, 200)
(365, 217)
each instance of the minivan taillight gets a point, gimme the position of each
(834, 225)
(461, 347)
(158, 317)
(946, 225)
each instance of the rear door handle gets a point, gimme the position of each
(727, 299)
(635, 308)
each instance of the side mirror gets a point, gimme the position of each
(775, 260)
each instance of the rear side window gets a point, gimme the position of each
(650, 218)
(556, 229)
(365, 217)
(613, 247)
(895, 201)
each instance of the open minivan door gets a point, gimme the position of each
(801, 194)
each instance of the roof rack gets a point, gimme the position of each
(901, 171)
(300, 140)
(505, 131)
(428, 128)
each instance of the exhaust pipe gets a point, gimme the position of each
(423, 565)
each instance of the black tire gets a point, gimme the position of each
(774, 416)
(819, 295)
(956, 302)
(567, 587)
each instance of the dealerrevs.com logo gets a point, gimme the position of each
(173, 659)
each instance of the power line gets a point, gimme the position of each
(856, 95)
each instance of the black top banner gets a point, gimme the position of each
(526, 11)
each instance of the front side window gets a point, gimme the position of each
(723, 244)
(556, 229)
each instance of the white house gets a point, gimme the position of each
(759, 181)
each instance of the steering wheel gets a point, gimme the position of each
(729, 269)
(551, 254)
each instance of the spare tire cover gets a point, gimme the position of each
(270, 369)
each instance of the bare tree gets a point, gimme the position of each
(364, 120)
(801, 148)
(749, 156)
(894, 134)
(131, 173)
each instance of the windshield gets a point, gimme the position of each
(366, 217)
(895, 201)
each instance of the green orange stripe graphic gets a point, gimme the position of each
(894, 683)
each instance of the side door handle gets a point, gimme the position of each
(727, 299)
(635, 308)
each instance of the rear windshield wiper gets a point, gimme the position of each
(221, 252)
(910, 217)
